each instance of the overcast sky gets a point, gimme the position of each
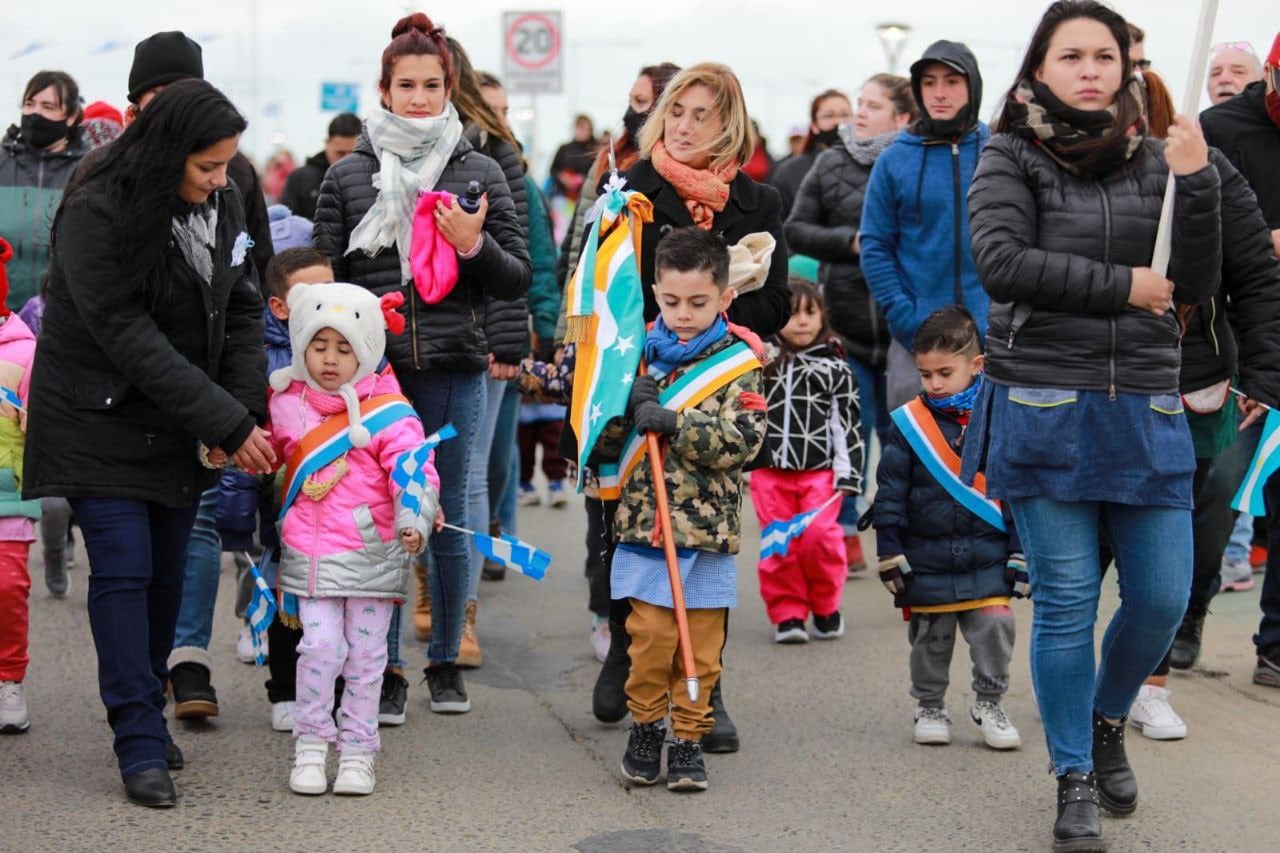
(784, 51)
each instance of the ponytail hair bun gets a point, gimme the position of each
(417, 35)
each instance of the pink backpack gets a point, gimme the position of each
(431, 257)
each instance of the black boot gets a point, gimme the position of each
(1186, 643)
(193, 693)
(1079, 826)
(723, 736)
(173, 756)
(1117, 786)
(609, 698)
(152, 788)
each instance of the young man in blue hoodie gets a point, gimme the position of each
(914, 239)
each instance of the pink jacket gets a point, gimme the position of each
(346, 545)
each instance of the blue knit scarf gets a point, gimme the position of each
(664, 352)
(957, 404)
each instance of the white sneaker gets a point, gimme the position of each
(600, 636)
(529, 496)
(307, 776)
(13, 708)
(244, 646)
(355, 773)
(557, 494)
(282, 716)
(1237, 577)
(997, 731)
(933, 726)
(1154, 716)
(790, 632)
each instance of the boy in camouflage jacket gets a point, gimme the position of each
(707, 442)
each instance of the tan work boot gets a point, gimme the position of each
(469, 654)
(421, 603)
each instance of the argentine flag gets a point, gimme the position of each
(262, 609)
(512, 553)
(410, 474)
(1265, 462)
(777, 536)
(11, 397)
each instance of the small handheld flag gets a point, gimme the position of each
(510, 552)
(11, 397)
(410, 474)
(1265, 462)
(777, 536)
(262, 609)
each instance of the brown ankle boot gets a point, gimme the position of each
(469, 654)
(421, 603)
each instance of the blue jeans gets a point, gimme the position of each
(504, 464)
(1152, 546)
(441, 397)
(1241, 542)
(874, 412)
(135, 553)
(478, 509)
(201, 572)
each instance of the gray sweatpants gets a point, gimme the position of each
(989, 633)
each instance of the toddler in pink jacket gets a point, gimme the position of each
(342, 429)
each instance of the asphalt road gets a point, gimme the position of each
(827, 761)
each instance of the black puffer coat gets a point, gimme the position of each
(954, 555)
(824, 220)
(506, 322)
(1244, 131)
(1239, 328)
(448, 335)
(302, 187)
(124, 384)
(788, 176)
(1056, 252)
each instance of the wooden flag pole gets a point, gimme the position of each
(1190, 100)
(673, 568)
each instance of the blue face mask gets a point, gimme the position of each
(962, 402)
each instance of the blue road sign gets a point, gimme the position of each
(339, 97)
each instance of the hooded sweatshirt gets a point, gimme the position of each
(915, 218)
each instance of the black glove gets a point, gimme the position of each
(1015, 573)
(893, 574)
(644, 389)
(653, 417)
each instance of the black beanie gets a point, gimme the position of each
(163, 59)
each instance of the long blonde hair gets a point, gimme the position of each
(736, 141)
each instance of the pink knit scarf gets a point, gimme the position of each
(704, 192)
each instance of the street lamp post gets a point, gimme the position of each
(893, 38)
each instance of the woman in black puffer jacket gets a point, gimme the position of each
(1080, 428)
(415, 142)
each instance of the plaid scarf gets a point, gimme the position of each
(1076, 139)
(412, 155)
(703, 191)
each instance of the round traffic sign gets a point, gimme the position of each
(533, 41)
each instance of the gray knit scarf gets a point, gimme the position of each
(196, 232)
(866, 151)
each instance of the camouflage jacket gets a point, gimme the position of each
(704, 461)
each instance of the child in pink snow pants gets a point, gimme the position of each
(347, 534)
(814, 450)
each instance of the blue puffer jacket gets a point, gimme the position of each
(954, 555)
(915, 231)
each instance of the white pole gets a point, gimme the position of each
(1190, 100)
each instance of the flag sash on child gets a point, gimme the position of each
(511, 552)
(777, 536)
(1266, 459)
(325, 443)
(916, 423)
(701, 380)
(262, 609)
(605, 312)
(410, 474)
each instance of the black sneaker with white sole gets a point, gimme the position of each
(828, 627)
(448, 693)
(642, 762)
(392, 701)
(790, 631)
(1267, 670)
(686, 771)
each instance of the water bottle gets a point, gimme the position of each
(471, 201)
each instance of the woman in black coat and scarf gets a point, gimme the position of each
(151, 359)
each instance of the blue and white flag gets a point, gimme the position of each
(1265, 462)
(262, 609)
(410, 474)
(510, 552)
(11, 397)
(777, 536)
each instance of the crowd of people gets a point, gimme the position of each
(199, 361)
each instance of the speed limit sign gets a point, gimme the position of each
(532, 52)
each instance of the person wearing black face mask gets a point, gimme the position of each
(37, 156)
(827, 112)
